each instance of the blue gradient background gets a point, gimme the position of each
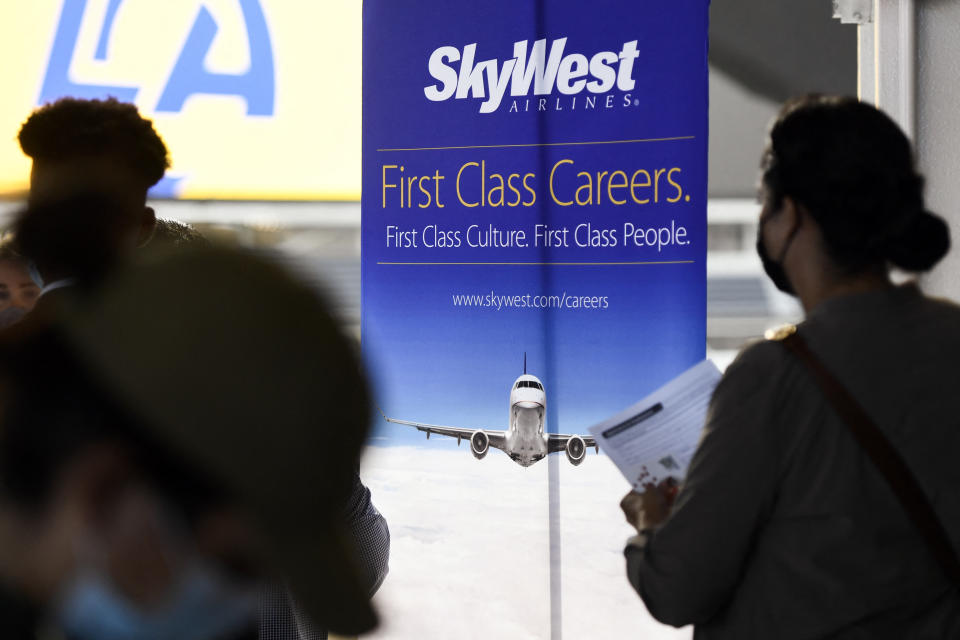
(441, 364)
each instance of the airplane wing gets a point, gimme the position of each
(558, 442)
(497, 438)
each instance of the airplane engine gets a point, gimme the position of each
(479, 444)
(576, 450)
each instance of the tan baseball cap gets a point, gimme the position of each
(229, 360)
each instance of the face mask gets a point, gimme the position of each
(11, 316)
(774, 269)
(202, 606)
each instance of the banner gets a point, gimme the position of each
(256, 99)
(534, 260)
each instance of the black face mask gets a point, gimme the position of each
(774, 269)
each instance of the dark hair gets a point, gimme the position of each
(70, 128)
(176, 235)
(851, 167)
(53, 409)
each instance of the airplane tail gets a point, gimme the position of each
(524, 363)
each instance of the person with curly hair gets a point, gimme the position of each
(102, 146)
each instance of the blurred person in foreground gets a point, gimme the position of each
(67, 239)
(784, 526)
(18, 289)
(93, 164)
(203, 439)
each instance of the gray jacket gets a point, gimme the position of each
(784, 528)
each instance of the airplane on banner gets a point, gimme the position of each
(525, 441)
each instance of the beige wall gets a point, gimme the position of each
(938, 127)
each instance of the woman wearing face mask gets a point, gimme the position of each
(824, 498)
(18, 290)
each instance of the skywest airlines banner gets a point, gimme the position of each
(534, 260)
(256, 99)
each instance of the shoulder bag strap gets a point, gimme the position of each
(883, 454)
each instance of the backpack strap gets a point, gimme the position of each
(881, 452)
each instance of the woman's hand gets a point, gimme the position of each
(649, 509)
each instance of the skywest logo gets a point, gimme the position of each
(544, 68)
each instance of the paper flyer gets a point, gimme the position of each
(656, 438)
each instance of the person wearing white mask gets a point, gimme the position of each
(18, 289)
(145, 502)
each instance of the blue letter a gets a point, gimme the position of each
(189, 76)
